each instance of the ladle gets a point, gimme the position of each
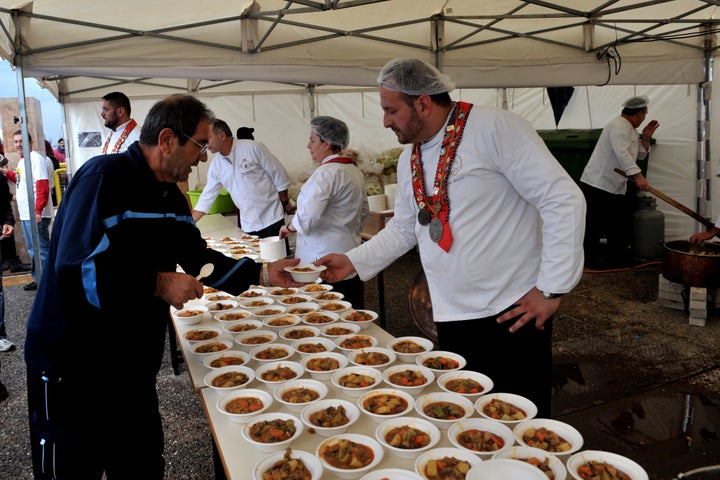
(205, 271)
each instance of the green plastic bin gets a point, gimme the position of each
(223, 202)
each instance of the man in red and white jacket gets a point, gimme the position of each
(43, 208)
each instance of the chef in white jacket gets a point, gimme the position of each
(498, 222)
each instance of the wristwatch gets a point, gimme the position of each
(549, 295)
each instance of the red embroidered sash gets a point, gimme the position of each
(120, 140)
(439, 205)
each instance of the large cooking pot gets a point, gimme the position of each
(692, 265)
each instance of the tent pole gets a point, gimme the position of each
(704, 196)
(27, 168)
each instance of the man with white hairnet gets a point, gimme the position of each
(498, 221)
(609, 211)
(332, 205)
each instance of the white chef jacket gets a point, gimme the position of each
(39, 172)
(517, 220)
(331, 209)
(132, 137)
(253, 176)
(617, 147)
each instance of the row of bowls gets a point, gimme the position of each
(507, 465)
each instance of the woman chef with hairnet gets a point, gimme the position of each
(332, 205)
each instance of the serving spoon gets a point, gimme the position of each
(205, 271)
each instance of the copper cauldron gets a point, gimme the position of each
(692, 265)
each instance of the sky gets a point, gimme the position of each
(51, 110)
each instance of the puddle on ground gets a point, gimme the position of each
(665, 428)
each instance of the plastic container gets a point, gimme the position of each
(223, 202)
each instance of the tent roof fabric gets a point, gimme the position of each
(215, 44)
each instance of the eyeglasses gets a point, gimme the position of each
(203, 148)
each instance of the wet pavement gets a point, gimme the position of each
(636, 378)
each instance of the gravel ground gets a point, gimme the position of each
(609, 315)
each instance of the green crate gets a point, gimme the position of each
(223, 202)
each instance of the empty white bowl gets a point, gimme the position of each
(299, 393)
(382, 403)
(507, 408)
(271, 352)
(202, 334)
(461, 459)
(211, 346)
(322, 366)
(241, 406)
(505, 469)
(339, 329)
(409, 347)
(354, 381)
(444, 408)
(226, 379)
(190, 315)
(364, 318)
(319, 319)
(409, 377)
(577, 460)
(440, 361)
(254, 338)
(468, 434)
(376, 357)
(305, 273)
(330, 416)
(466, 383)
(391, 473)
(549, 462)
(298, 332)
(234, 315)
(310, 345)
(354, 342)
(524, 434)
(401, 436)
(308, 459)
(226, 359)
(256, 431)
(370, 454)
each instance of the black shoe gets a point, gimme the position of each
(3, 392)
(20, 267)
(5, 265)
(30, 286)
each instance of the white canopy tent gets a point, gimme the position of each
(273, 64)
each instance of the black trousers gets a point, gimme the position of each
(80, 429)
(609, 215)
(519, 363)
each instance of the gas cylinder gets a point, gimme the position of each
(648, 230)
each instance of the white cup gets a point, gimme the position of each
(376, 203)
(390, 193)
(272, 248)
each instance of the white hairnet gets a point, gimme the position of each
(331, 130)
(414, 77)
(637, 102)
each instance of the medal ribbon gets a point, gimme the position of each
(120, 140)
(439, 205)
